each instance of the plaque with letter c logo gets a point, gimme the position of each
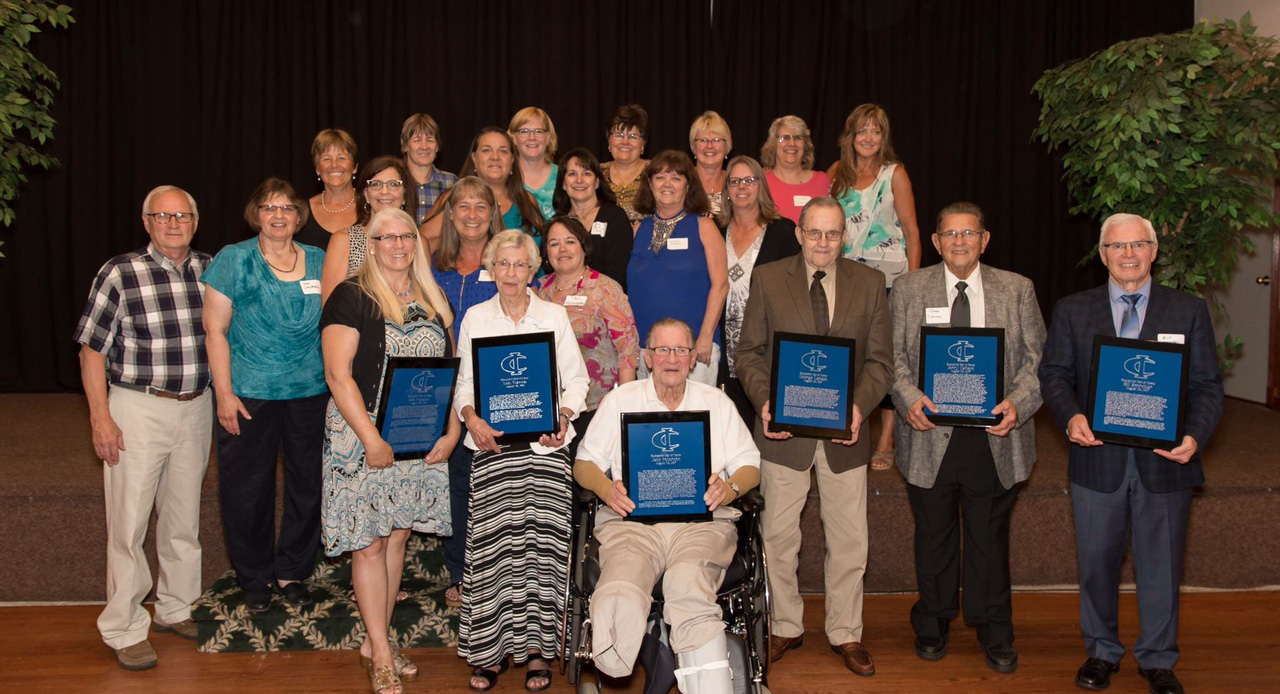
(666, 463)
(417, 398)
(811, 385)
(1138, 392)
(962, 372)
(516, 385)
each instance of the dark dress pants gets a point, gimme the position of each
(1159, 524)
(247, 489)
(967, 486)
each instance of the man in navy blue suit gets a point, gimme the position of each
(1116, 488)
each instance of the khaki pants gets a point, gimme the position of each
(163, 465)
(844, 524)
(691, 558)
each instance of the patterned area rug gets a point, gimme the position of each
(333, 622)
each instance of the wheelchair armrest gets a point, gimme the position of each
(751, 502)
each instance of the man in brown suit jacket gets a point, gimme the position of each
(784, 297)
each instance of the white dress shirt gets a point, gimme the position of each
(973, 290)
(488, 320)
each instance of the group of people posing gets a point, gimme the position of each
(285, 337)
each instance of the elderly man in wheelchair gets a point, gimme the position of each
(691, 557)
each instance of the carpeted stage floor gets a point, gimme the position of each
(51, 510)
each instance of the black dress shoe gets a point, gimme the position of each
(930, 647)
(1001, 657)
(1095, 674)
(257, 601)
(295, 594)
(1161, 681)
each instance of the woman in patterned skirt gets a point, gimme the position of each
(521, 493)
(392, 307)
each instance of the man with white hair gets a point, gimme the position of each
(146, 376)
(1117, 488)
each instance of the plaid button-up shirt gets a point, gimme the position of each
(144, 314)
(437, 183)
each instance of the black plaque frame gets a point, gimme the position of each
(547, 339)
(775, 400)
(700, 416)
(397, 363)
(982, 422)
(1149, 442)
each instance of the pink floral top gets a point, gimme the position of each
(605, 327)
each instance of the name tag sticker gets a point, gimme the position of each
(800, 200)
(575, 300)
(485, 276)
(1178, 338)
(598, 228)
(936, 316)
(677, 244)
(310, 286)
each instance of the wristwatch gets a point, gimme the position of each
(737, 491)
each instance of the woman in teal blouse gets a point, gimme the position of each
(262, 317)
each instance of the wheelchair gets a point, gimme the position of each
(743, 597)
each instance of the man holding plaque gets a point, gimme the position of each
(1116, 487)
(817, 293)
(690, 558)
(965, 471)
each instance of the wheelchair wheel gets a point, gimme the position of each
(588, 688)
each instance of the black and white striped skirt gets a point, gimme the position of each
(517, 551)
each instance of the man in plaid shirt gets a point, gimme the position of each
(146, 376)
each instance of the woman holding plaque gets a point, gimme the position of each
(521, 493)
(392, 307)
(678, 267)
(469, 220)
(755, 234)
(880, 220)
(598, 310)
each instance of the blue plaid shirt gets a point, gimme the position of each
(437, 183)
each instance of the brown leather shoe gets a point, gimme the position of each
(856, 658)
(779, 645)
(139, 656)
(186, 629)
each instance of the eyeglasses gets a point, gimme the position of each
(668, 351)
(744, 181)
(1128, 245)
(179, 217)
(375, 184)
(790, 138)
(271, 209)
(519, 265)
(704, 141)
(817, 234)
(619, 135)
(391, 239)
(536, 132)
(952, 234)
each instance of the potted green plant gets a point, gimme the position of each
(26, 94)
(1181, 128)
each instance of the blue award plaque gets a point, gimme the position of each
(962, 372)
(666, 462)
(811, 385)
(417, 396)
(516, 385)
(1138, 392)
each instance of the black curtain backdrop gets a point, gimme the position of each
(216, 95)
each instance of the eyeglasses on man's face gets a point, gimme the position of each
(817, 234)
(953, 234)
(681, 352)
(1120, 246)
(179, 217)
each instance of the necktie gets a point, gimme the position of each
(818, 297)
(960, 307)
(1129, 326)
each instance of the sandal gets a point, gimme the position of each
(489, 676)
(883, 460)
(383, 679)
(453, 595)
(402, 596)
(531, 675)
(406, 669)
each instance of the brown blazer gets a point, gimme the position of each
(779, 300)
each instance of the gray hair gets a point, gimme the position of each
(1126, 218)
(161, 190)
(820, 201)
(769, 151)
(668, 323)
(512, 238)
